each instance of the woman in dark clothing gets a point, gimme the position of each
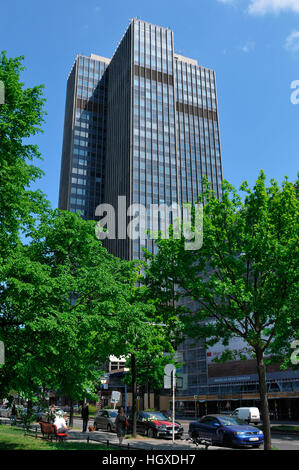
(120, 424)
(14, 413)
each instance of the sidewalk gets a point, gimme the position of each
(139, 444)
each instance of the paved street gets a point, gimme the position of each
(279, 441)
(285, 442)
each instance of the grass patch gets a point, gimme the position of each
(138, 436)
(12, 438)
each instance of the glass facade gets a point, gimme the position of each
(84, 144)
(198, 140)
(142, 125)
(155, 177)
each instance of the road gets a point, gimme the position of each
(279, 441)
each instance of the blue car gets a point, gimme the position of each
(227, 431)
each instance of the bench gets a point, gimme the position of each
(50, 430)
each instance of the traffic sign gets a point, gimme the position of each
(115, 397)
(169, 377)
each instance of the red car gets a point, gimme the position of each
(156, 424)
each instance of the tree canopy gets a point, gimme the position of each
(66, 304)
(244, 279)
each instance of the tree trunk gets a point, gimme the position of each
(134, 393)
(71, 423)
(29, 406)
(29, 417)
(261, 368)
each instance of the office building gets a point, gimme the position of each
(142, 125)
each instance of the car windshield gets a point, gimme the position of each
(158, 416)
(112, 414)
(230, 421)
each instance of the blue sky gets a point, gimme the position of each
(253, 45)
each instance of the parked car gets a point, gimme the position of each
(156, 424)
(105, 419)
(249, 415)
(65, 408)
(226, 430)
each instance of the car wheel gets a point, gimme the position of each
(109, 428)
(151, 433)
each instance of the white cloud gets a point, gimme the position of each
(261, 7)
(249, 46)
(292, 42)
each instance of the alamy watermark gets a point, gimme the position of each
(295, 94)
(138, 221)
(2, 93)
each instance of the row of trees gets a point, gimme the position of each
(66, 304)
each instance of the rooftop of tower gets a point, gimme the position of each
(148, 23)
(100, 58)
(179, 57)
(182, 58)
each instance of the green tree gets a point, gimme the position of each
(62, 296)
(21, 117)
(244, 279)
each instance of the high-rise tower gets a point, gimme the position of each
(142, 125)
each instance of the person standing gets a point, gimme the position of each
(85, 416)
(14, 413)
(52, 414)
(121, 424)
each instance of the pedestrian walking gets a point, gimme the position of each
(121, 423)
(85, 416)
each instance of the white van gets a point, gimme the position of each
(249, 415)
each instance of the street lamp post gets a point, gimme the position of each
(173, 402)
